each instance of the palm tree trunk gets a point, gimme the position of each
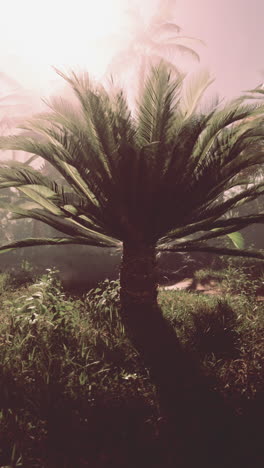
(184, 398)
(151, 334)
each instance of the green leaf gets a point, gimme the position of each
(37, 195)
(237, 239)
(42, 190)
(71, 209)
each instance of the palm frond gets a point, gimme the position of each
(193, 90)
(221, 226)
(171, 49)
(35, 242)
(165, 29)
(157, 106)
(67, 225)
(246, 253)
(231, 113)
(166, 174)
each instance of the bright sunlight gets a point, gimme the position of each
(36, 35)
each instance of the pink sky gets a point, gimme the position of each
(234, 33)
(232, 29)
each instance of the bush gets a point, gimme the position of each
(239, 281)
(64, 358)
(17, 277)
(240, 277)
(103, 306)
(227, 334)
(207, 274)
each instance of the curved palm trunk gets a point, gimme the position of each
(183, 397)
(151, 334)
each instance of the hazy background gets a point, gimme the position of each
(81, 34)
(35, 35)
(234, 35)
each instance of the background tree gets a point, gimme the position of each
(147, 183)
(15, 104)
(149, 42)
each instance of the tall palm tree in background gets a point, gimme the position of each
(16, 104)
(147, 184)
(150, 41)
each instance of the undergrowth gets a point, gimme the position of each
(74, 392)
(237, 277)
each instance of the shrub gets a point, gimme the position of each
(226, 334)
(17, 277)
(208, 274)
(59, 358)
(239, 281)
(103, 305)
(242, 278)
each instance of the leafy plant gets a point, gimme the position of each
(79, 386)
(22, 275)
(103, 303)
(167, 179)
(238, 282)
(238, 279)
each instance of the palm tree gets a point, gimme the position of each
(150, 183)
(15, 104)
(151, 41)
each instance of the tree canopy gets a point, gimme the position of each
(161, 177)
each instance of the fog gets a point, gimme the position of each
(88, 34)
(91, 35)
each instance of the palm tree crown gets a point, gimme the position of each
(154, 179)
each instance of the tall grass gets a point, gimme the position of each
(74, 392)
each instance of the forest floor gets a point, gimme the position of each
(210, 287)
(74, 393)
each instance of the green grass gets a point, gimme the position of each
(73, 389)
(238, 276)
(207, 274)
(226, 332)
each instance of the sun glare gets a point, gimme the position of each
(35, 35)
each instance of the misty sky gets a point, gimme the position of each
(234, 33)
(37, 34)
